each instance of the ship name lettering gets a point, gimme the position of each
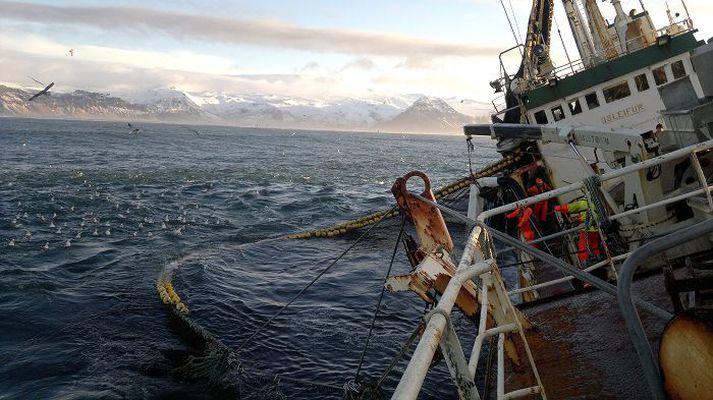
(636, 109)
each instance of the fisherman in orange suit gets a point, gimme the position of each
(589, 240)
(542, 207)
(524, 224)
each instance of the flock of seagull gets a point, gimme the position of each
(67, 224)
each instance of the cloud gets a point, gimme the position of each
(117, 78)
(242, 32)
(176, 60)
(310, 66)
(360, 64)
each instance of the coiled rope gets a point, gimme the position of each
(378, 216)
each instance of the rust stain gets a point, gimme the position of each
(428, 221)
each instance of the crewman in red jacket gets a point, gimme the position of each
(524, 224)
(542, 207)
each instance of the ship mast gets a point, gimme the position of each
(584, 42)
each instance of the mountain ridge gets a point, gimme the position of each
(409, 113)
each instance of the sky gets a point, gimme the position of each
(307, 48)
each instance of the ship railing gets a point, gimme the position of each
(676, 28)
(641, 344)
(691, 152)
(477, 261)
(622, 292)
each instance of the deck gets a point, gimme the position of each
(582, 349)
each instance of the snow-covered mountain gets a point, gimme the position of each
(407, 113)
(428, 114)
(78, 104)
(170, 105)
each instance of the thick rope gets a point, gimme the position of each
(316, 278)
(373, 218)
(381, 297)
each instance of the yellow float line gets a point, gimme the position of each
(373, 218)
(169, 297)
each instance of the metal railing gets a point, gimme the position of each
(574, 67)
(601, 57)
(690, 151)
(628, 310)
(478, 260)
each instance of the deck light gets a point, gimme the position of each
(663, 40)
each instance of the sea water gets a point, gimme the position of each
(90, 214)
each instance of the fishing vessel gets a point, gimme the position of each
(606, 175)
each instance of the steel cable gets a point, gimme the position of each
(381, 297)
(324, 271)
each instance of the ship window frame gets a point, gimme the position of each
(538, 120)
(682, 70)
(577, 109)
(592, 100)
(561, 111)
(664, 77)
(642, 85)
(613, 89)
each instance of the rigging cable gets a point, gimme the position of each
(510, 23)
(381, 297)
(324, 271)
(514, 18)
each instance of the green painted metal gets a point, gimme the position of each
(610, 70)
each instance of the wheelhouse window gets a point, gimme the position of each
(541, 117)
(592, 100)
(659, 75)
(642, 82)
(616, 92)
(574, 107)
(558, 113)
(679, 71)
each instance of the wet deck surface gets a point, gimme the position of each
(582, 348)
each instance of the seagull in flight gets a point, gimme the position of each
(71, 52)
(135, 131)
(45, 91)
